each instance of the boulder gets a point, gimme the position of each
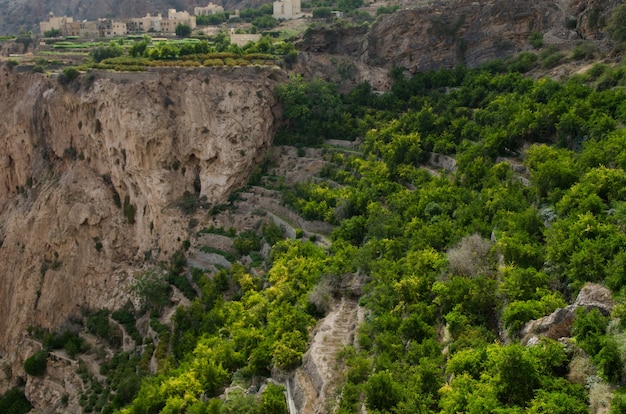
(559, 323)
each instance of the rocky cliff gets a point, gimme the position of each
(91, 174)
(444, 34)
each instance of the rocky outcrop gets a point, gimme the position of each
(91, 174)
(559, 323)
(444, 34)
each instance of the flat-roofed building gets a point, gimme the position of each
(208, 10)
(55, 23)
(287, 9)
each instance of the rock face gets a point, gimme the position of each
(90, 175)
(559, 323)
(444, 34)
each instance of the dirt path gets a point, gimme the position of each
(315, 385)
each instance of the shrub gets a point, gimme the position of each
(14, 401)
(471, 257)
(387, 9)
(617, 24)
(584, 50)
(182, 30)
(246, 242)
(551, 57)
(69, 74)
(273, 399)
(322, 12)
(98, 324)
(105, 52)
(35, 365)
(536, 40)
(151, 290)
(129, 211)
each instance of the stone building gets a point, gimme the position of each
(208, 10)
(114, 28)
(82, 29)
(287, 9)
(243, 38)
(111, 28)
(175, 18)
(55, 23)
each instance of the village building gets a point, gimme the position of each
(55, 23)
(243, 38)
(208, 10)
(175, 18)
(113, 28)
(287, 9)
(82, 29)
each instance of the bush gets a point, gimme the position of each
(68, 75)
(14, 402)
(551, 57)
(35, 365)
(322, 12)
(536, 40)
(105, 52)
(617, 24)
(246, 242)
(151, 290)
(273, 399)
(387, 9)
(98, 324)
(183, 30)
(129, 210)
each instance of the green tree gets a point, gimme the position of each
(322, 12)
(14, 402)
(36, 364)
(617, 24)
(515, 374)
(382, 392)
(104, 52)
(151, 290)
(182, 30)
(273, 399)
(139, 48)
(52, 33)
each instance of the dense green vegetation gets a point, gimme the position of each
(532, 210)
(142, 53)
(477, 201)
(418, 235)
(14, 402)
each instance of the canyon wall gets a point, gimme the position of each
(444, 34)
(91, 174)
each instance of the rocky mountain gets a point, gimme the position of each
(444, 34)
(91, 177)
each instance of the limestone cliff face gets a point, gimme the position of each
(444, 34)
(71, 155)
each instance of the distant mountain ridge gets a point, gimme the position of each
(23, 15)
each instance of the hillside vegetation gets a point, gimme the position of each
(530, 209)
(475, 201)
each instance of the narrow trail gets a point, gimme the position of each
(315, 383)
